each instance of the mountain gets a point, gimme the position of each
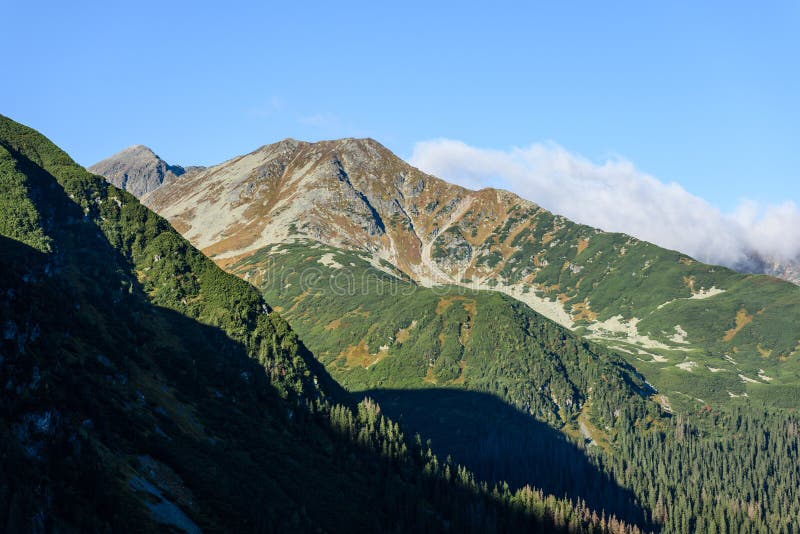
(138, 170)
(699, 333)
(151, 170)
(145, 389)
(780, 268)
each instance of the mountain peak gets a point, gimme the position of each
(139, 148)
(137, 169)
(284, 145)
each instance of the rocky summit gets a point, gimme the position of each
(669, 314)
(137, 169)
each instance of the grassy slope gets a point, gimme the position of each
(458, 366)
(321, 291)
(614, 274)
(130, 361)
(375, 330)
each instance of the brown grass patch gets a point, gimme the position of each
(180, 225)
(548, 289)
(581, 312)
(334, 325)
(742, 320)
(359, 355)
(430, 378)
(582, 245)
(469, 304)
(688, 281)
(765, 353)
(226, 263)
(237, 237)
(298, 299)
(512, 235)
(404, 333)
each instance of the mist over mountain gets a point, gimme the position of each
(616, 196)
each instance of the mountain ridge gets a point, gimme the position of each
(141, 376)
(146, 389)
(638, 299)
(787, 270)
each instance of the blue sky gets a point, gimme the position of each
(707, 96)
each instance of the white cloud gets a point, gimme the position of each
(616, 196)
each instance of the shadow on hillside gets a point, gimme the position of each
(498, 442)
(249, 466)
(229, 438)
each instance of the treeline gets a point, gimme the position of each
(139, 374)
(735, 470)
(474, 505)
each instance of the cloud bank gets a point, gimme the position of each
(616, 196)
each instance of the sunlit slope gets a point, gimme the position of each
(146, 389)
(373, 327)
(676, 318)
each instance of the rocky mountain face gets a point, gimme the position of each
(147, 390)
(780, 268)
(667, 313)
(138, 170)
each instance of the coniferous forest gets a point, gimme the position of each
(145, 388)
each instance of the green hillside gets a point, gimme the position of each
(479, 373)
(702, 333)
(146, 389)
(373, 329)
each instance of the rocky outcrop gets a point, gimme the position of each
(138, 170)
(786, 269)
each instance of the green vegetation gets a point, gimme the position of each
(18, 216)
(479, 373)
(145, 388)
(700, 317)
(373, 330)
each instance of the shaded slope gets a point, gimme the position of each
(144, 387)
(501, 443)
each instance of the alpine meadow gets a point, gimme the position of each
(418, 268)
